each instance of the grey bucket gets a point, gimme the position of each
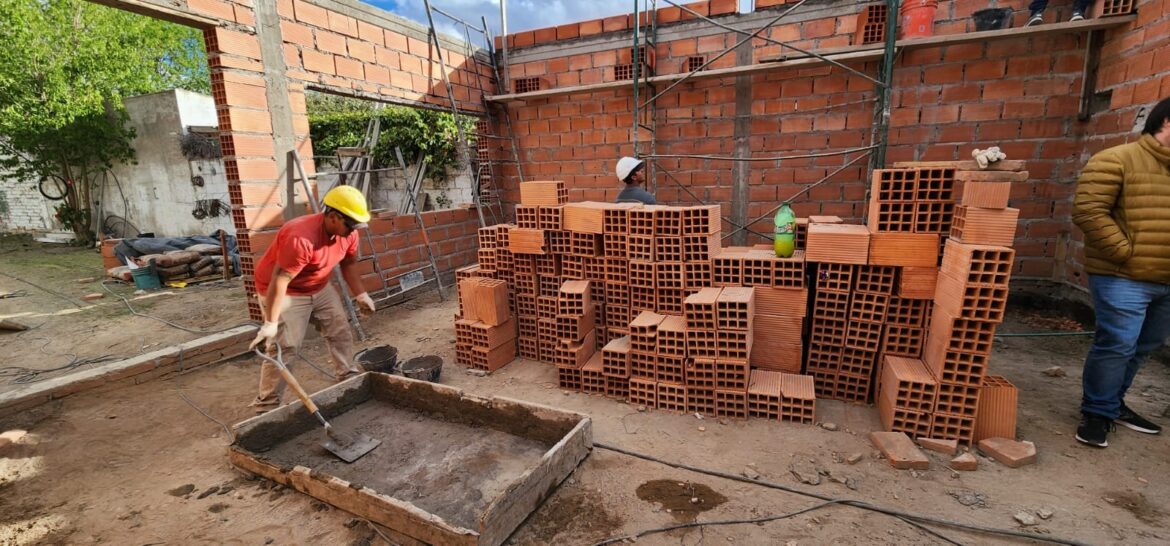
(383, 358)
(426, 368)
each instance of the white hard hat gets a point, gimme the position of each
(627, 165)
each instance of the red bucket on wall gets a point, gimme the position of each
(917, 18)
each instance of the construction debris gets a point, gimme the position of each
(1008, 452)
(947, 447)
(965, 462)
(899, 450)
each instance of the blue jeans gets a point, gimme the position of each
(1078, 5)
(1133, 319)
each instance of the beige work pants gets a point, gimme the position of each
(327, 313)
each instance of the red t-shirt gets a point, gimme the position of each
(304, 250)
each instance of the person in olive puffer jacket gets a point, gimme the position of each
(1123, 207)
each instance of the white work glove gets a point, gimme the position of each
(366, 301)
(266, 334)
(986, 157)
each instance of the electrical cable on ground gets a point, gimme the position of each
(764, 519)
(165, 321)
(847, 502)
(43, 289)
(1044, 334)
(20, 375)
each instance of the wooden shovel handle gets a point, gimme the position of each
(296, 387)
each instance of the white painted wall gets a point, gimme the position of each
(158, 188)
(155, 194)
(23, 209)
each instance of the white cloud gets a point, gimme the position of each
(522, 14)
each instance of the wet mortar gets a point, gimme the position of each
(449, 469)
(683, 500)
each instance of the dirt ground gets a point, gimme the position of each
(139, 465)
(66, 332)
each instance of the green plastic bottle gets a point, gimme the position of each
(784, 238)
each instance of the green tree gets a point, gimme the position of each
(64, 68)
(341, 121)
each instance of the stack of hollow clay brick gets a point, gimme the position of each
(629, 270)
(872, 284)
(485, 330)
(574, 338)
(938, 394)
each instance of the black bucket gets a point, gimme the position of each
(425, 368)
(992, 19)
(383, 358)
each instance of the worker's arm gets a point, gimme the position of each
(273, 305)
(274, 299)
(353, 279)
(1093, 208)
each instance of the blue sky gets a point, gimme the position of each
(522, 14)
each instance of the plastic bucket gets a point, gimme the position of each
(383, 358)
(425, 368)
(145, 278)
(916, 18)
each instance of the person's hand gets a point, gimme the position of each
(266, 334)
(366, 301)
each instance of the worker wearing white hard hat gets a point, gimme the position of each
(631, 171)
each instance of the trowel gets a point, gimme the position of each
(347, 447)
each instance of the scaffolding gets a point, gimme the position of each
(645, 36)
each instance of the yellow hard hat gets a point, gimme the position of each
(349, 201)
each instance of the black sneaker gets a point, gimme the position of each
(1094, 430)
(1077, 16)
(1036, 18)
(1132, 420)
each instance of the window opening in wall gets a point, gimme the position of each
(342, 122)
(526, 85)
(695, 63)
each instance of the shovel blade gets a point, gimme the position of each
(349, 447)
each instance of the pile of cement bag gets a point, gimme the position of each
(176, 258)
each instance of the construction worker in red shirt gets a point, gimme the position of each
(293, 285)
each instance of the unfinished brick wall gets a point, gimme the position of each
(1021, 94)
(339, 46)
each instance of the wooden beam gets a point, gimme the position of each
(1087, 25)
(1089, 77)
(806, 62)
(173, 12)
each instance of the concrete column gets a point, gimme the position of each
(743, 129)
(276, 91)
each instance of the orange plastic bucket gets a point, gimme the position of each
(917, 18)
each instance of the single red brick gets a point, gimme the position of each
(965, 462)
(899, 450)
(949, 447)
(1010, 453)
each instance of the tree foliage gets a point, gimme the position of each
(340, 121)
(64, 68)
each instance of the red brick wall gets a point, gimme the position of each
(1020, 94)
(398, 243)
(326, 49)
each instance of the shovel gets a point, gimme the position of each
(348, 448)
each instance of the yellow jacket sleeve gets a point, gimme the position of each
(1098, 189)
